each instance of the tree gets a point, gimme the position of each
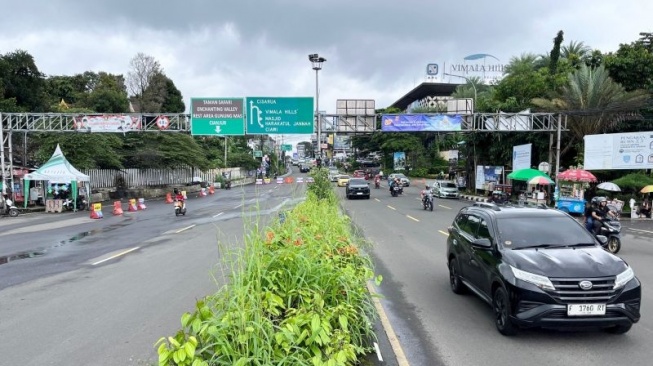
(22, 81)
(554, 56)
(173, 101)
(594, 103)
(145, 81)
(631, 66)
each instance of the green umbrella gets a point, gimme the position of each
(526, 174)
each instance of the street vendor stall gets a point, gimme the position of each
(570, 191)
(60, 174)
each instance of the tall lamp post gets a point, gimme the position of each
(317, 61)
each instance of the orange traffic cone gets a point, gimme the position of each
(211, 190)
(132, 206)
(168, 197)
(117, 208)
(96, 211)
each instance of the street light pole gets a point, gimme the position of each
(317, 61)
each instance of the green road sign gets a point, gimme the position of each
(258, 153)
(286, 147)
(279, 115)
(216, 116)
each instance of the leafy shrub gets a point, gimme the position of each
(633, 183)
(418, 172)
(321, 186)
(297, 297)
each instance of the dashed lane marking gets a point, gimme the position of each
(239, 206)
(448, 208)
(641, 231)
(116, 255)
(412, 218)
(443, 233)
(214, 216)
(377, 200)
(392, 208)
(184, 229)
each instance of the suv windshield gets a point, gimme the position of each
(448, 185)
(400, 176)
(525, 232)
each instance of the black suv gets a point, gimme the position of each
(357, 187)
(539, 267)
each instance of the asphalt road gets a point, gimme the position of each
(436, 327)
(77, 291)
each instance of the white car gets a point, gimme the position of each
(444, 189)
(333, 174)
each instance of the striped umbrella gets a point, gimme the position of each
(540, 180)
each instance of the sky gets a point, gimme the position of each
(375, 49)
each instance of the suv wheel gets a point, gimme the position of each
(501, 307)
(457, 285)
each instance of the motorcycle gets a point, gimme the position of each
(611, 229)
(377, 183)
(69, 204)
(180, 208)
(227, 184)
(8, 208)
(427, 201)
(396, 190)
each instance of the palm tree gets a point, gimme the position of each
(580, 49)
(525, 62)
(594, 102)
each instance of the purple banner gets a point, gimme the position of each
(421, 122)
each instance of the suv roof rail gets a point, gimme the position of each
(487, 205)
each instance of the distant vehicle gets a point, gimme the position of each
(343, 180)
(359, 174)
(333, 173)
(444, 189)
(295, 162)
(357, 187)
(404, 180)
(304, 168)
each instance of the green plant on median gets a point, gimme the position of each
(297, 296)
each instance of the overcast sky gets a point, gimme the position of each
(375, 49)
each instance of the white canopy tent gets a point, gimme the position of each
(58, 170)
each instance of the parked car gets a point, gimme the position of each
(404, 180)
(445, 189)
(357, 187)
(539, 267)
(343, 179)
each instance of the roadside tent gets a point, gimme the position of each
(58, 170)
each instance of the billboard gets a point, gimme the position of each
(421, 122)
(107, 123)
(521, 156)
(216, 117)
(633, 150)
(487, 175)
(399, 160)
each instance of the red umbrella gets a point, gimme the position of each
(577, 175)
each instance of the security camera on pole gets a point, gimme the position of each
(317, 66)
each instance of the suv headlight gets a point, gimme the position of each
(623, 278)
(537, 280)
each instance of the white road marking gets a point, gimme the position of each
(184, 229)
(412, 218)
(448, 208)
(377, 200)
(239, 206)
(218, 214)
(642, 231)
(443, 233)
(117, 255)
(387, 326)
(392, 208)
(378, 352)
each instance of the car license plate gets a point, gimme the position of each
(585, 309)
(361, 193)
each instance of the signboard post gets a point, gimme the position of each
(279, 115)
(216, 116)
(286, 147)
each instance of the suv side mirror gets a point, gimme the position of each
(484, 243)
(602, 239)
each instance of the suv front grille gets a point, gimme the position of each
(567, 290)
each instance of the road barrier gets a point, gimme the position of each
(132, 205)
(117, 208)
(168, 197)
(141, 204)
(96, 212)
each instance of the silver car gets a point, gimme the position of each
(444, 189)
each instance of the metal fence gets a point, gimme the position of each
(106, 178)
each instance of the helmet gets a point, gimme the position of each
(175, 191)
(598, 199)
(427, 187)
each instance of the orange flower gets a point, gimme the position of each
(298, 242)
(269, 236)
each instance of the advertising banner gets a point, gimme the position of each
(342, 142)
(521, 156)
(487, 176)
(633, 150)
(421, 122)
(107, 123)
(399, 160)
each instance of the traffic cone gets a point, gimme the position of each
(202, 192)
(211, 190)
(132, 206)
(117, 208)
(96, 212)
(168, 197)
(141, 204)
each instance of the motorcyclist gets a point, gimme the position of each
(600, 213)
(426, 192)
(589, 220)
(180, 197)
(377, 181)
